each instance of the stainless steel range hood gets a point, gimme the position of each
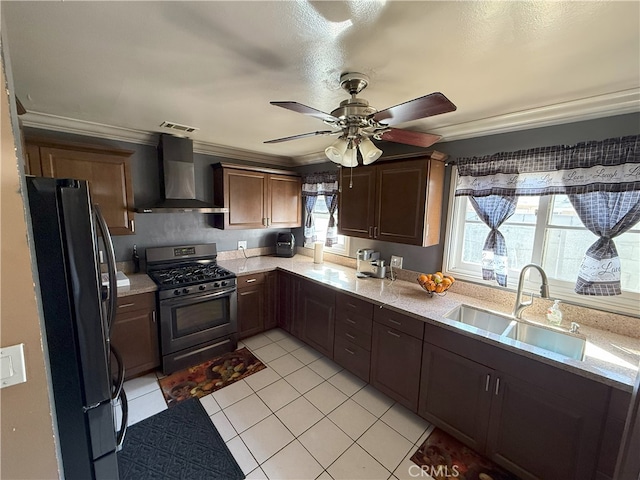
(178, 180)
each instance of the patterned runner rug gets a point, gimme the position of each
(209, 376)
(444, 457)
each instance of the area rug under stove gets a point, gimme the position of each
(209, 376)
(177, 443)
(444, 457)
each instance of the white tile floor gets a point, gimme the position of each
(303, 417)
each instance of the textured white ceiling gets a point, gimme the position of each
(216, 65)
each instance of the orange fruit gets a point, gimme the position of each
(431, 286)
(422, 278)
(440, 288)
(439, 274)
(451, 278)
(429, 276)
(446, 281)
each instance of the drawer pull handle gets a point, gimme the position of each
(351, 352)
(486, 386)
(497, 385)
(348, 335)
(251, 280)
(393, 334)
(125, 305)
(350, 321)
(153, 316)
(395, 322)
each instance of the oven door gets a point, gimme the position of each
(189, 321)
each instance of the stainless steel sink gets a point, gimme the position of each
(570, 345)
(552, 340)
(483, 319)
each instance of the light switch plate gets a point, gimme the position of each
(12, 367)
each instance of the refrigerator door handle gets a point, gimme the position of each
(124, 406)
(118, 382)
(111, 268)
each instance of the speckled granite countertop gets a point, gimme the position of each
(138, 283)
(609, 358)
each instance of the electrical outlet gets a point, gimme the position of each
(242, 244)
(396, 261)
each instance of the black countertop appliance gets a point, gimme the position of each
(285, 244)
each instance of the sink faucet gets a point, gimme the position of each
(544, 290)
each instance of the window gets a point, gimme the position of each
(547, 231)
(321, 222)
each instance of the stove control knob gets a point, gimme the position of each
(216, 284)
(176, 292)
(224, 284)
(185, 290)
(201, 287)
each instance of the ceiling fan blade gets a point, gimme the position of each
(304, 135)
(409, 137)
(300, 108)
(427, 106)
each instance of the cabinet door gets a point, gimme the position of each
(284, 208)
(135, 334)
(284, 308)
(317, 308)
(400, 201)
(357, 202)
(536, 433)
(395, 364)
(109, 180)
(245, 193)
(455, 394)
(271, 316)
(251, 310)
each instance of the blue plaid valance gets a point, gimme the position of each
(611, 165)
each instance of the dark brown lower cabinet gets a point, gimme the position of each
(531, 431)
(455, 394)
(252, 303)
(287, 303)
(395, 364)
(135, 334)
(317, 315)
(271, 314)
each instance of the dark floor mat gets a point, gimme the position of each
(177, 443)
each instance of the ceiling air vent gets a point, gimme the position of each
(177, 126)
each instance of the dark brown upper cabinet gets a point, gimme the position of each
(256, 198)
(394, 201)
(107, 171)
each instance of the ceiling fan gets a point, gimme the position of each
(356, 122)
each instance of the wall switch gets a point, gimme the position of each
(396, 261)
(242, 244)
(12, 367)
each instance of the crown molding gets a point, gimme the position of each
(58, 123)
(617, 103)
(599, 106)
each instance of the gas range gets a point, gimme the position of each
(187, 270)
(197, 304)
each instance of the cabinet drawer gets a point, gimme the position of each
(358, 322)
(131, 303)
(353, 306)
(352, 357)
(395, 320)
(353, 335)
(248, 280)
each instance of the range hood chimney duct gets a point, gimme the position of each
(178, 185)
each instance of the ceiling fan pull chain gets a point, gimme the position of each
(351, 178)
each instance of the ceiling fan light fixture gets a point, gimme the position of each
(335, 152)
(370, 153)
(350, 158)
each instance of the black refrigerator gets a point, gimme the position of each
(86, 373)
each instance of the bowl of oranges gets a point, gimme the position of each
(435, 282)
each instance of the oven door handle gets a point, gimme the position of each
(199, 298)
